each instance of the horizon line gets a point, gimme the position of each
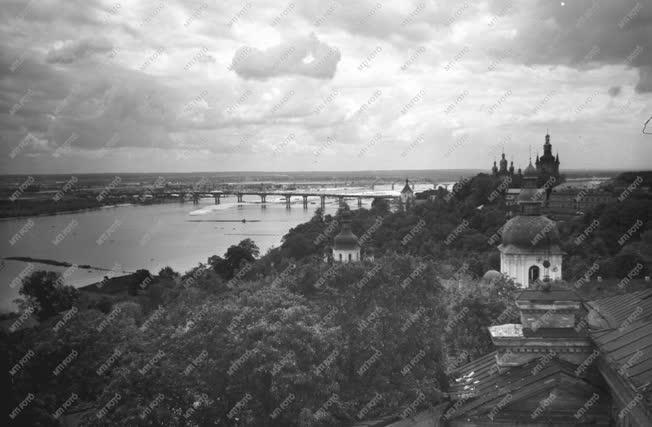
(308, 171)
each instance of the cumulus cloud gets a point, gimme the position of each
(307, 56)
(75, 50)
(584, 34)
(232, 104)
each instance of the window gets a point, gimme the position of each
(340, 257)
(533, 274)
(349, 257)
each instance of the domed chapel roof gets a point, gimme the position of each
(530, 232)
(345, 239)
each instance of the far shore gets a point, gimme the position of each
(55, 263)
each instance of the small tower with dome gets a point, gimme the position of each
(346, 247)
(407, 195)
(530, 251)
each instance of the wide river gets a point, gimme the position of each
(126, 238)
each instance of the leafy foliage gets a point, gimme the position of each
(46, 292)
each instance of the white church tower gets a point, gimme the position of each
(530, 251)
(345, 245)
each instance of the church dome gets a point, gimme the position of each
(530, 232)
(345, 240)
(530, 170)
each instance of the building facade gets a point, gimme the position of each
(530, 251)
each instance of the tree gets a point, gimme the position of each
(250, 248)
(168, 273)
(380, 206)
(139, 280)
(46, 292)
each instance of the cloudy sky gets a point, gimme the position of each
(181, 85)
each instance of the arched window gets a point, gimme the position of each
(350, 257)
(340, 257)
(533, 274)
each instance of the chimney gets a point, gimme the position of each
(549, 326)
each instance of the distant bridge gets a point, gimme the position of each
(217, 195)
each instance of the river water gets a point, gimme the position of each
(126, 238)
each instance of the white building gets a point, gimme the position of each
(345, 245)
(530, 251)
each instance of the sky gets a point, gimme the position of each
(179, 86)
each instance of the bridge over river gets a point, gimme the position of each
(196, 194)
(218, 195)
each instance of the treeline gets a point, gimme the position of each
(297, 342)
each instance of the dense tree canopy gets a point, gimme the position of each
(288, 339)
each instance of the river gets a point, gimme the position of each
(126, 238)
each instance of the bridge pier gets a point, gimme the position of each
(341, 200)
(323, 202)
(182, 197)
(217, 199)
(263, 198)
(195, 198)
(305, 202)
(392, 185)
(239, 195)
(359, 202)
(288, 200)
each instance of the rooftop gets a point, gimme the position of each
(555, 293)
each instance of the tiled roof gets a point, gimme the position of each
(622, 331)
(616, 309)
(479, 383)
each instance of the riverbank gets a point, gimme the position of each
(53, 262)
(46, 207)
(142, 237)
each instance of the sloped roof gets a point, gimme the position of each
(623, 334)
(625, 353)
(480, 384)
(615, 309)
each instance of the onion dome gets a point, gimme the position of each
(530, 232)
(345, 240)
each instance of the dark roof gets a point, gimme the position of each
(530, 232)
(556, 293)
(615, 310)
(480, 383)
(345, 239)
(621, 328)
(406, 188)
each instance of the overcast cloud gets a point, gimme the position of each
(171, 85)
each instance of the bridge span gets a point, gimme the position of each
(218, 195)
